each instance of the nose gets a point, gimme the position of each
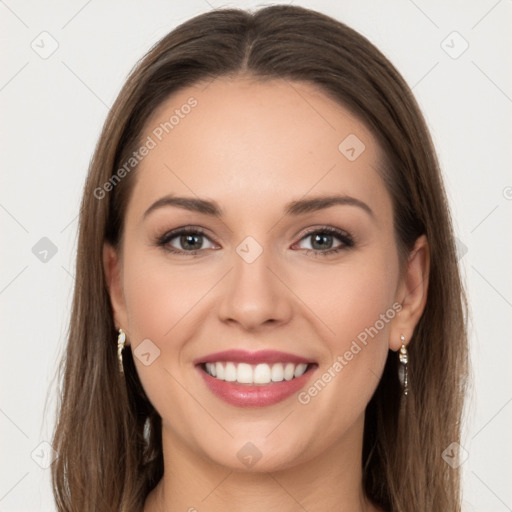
(255, 294)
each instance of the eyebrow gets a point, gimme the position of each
(293, 208)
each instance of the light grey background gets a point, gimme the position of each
(52, 112)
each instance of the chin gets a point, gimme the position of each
(256, 454)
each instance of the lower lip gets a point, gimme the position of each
(245, 395)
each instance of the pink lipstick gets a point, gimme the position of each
(254, 379)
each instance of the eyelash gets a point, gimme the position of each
(344, 237)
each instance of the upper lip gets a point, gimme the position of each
(243, 356)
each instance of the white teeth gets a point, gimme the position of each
(289, 370)
(230, 372)
(262, 373)
(219, 370)
(300, 369)
(277, 372)
(211, 369)
(244, 373)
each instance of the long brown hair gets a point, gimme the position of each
(108, 435)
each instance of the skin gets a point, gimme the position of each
(252, 147)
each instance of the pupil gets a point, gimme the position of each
(319, 238)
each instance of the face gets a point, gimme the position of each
(262, 269)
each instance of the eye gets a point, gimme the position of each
(184, 241)
(322, 241)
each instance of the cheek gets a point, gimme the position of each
(160, 301)
(158, 295)
(367, 294)
(357, 306)
(354, 310)
(164, 303)
(349, 297)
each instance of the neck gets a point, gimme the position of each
(330, 481)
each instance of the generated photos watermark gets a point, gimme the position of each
(358, 343)
(151, 142)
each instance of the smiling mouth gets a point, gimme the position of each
(256, 374)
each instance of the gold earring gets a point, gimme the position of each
(403, 357)
(121, 340)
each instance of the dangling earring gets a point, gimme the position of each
(402, 370)
(121, 340)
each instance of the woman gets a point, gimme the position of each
(268, 311)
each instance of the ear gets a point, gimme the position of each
(112, 267)
(411, 293)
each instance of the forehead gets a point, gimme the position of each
(243, 141)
